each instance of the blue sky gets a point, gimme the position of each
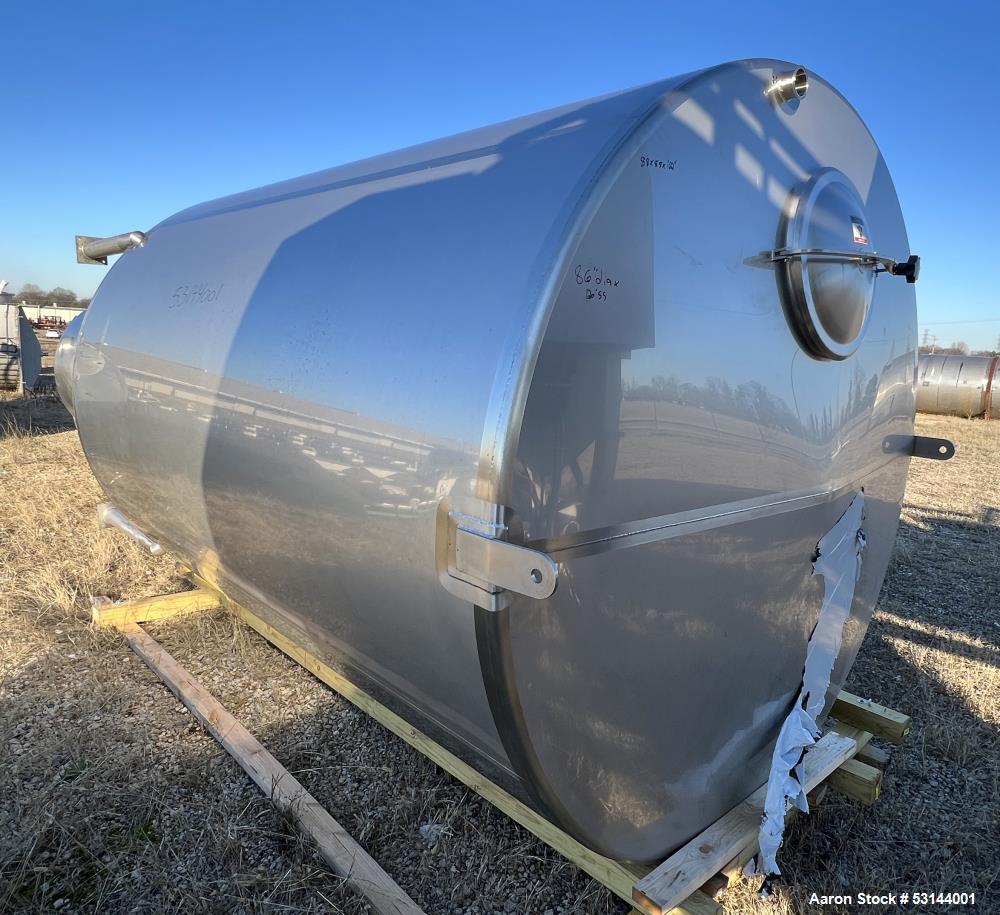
(116, 117)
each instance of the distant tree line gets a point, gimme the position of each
(31, 294)
(752, 399)
(958, 348)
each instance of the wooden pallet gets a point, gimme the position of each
(683, 884)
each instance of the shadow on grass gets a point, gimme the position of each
(931, 651)
(33, 414)
(945, 571)
(116, 800)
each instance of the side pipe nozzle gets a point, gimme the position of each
(91, 250)
(109, 516)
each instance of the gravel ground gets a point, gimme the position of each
(113, 799)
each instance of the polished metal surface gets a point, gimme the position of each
(91, 250)
(958, 385)
(504, 566)
(373, 402)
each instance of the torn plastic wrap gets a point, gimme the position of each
(838, 560)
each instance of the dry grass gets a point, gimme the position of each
(933, 650)
(113, 799)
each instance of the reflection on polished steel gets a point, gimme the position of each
(520, 431)
(958, 385)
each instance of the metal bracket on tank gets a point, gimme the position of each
(935, 449)
(482, 567)
(920, 446)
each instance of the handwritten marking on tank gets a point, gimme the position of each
(195, 294)
(597, 282)
(664, 164)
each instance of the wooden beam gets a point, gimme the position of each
(715, 885)
(348, 859)
(699, 904)
(860, 736)
(857, 780)
(733, 871)
(706, 854)
(863, 713)
(153, 608)
(874, 756)
(617, 877)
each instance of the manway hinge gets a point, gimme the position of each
(487, 569)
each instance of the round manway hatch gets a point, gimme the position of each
(828, 279)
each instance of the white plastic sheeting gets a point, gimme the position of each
(839, 562)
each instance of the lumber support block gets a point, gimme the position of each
(715, 885)
(733, 871)
(153, 608)
(857, 780)
(874, 756)
(863, 713)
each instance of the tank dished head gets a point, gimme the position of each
(65, 361)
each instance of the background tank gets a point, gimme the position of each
(391, 405)
(960, 385)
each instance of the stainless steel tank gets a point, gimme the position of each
(534, 430)
(959, 385)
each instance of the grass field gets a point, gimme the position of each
(113, 799)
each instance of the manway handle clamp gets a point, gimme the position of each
(92, 250)
(910, 268)
(482, 566)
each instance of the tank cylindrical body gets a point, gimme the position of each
(958, 385)
(533, 431)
